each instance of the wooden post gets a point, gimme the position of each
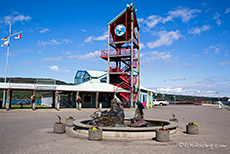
(138, 68)
(147, 103)
(151, 99)
(33, 100)
(56, 100)
(132, 9)
(97, 95)
(8, 103)
(77, 105)
(53, 103)
(108, 76)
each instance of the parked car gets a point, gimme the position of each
(160, 102)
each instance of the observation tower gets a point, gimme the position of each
(123, 55)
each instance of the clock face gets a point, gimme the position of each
(120, 30)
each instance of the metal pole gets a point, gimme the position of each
(7, 57)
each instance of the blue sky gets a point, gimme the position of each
(184, 44)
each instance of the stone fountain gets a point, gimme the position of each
(114, 124)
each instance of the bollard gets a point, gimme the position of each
(58, 106)
(7, 106)
(79, 106)
(33, 106)
(100, 106)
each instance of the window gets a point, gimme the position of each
(81, 76)
(104, 79)
(87, 98)
(144, 98)
(102, 97)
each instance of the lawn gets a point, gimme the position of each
(27, 107)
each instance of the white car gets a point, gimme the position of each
(160, 102)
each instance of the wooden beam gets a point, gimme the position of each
(97, 95)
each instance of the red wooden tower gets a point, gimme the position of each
(123, 54)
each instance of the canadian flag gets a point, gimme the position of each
(18, 36)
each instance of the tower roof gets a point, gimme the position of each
(121, 17)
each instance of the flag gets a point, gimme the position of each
(5, 38)
(5, 43)
(18, 36)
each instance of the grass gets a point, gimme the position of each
(27, 107)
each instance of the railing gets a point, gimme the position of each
(115, 69)
(128, 79)
(122, 51)
(124, 86)
(125, 68)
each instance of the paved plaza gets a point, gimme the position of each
(23, 131)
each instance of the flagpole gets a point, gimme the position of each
(7, 57)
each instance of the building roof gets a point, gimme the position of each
(96, 73)
(83, 87)
(146, 89)
(91, 87)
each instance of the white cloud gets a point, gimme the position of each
(198, 30)
(141, 45)
(216, 48)
(14, 17)
(141, 55)
(176, 79)
(99, 38)
(227, 10)
(216, 17)
(185, 14)
(54, 68)
(44, 30)
(43, 60)
(54, 42)
(57, 69)
(86, 56)
(83, 30)
(165, 38)
(204, 4)
(223, 63)
(170, 90)
(88, 39)
(66, 41)
(140, 20)
(206, 87)
(156, 55)
(51, 59)
(153, 20)
(65, 69)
